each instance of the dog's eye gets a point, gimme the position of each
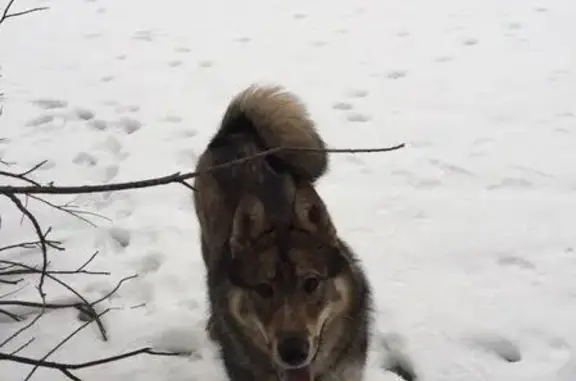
(310, 284)
(264, 290)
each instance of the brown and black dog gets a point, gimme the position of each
(288, 298)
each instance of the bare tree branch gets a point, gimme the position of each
(65, 368)
(174, 178)
(6, 14)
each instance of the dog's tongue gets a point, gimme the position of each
(302, 374)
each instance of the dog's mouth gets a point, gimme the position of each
(297, 374)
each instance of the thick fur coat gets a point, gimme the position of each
(288, 298)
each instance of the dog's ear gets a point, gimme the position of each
(311, 214)
(248, 223)
(336, 262)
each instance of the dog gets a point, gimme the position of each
(288, 299)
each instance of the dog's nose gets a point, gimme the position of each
(293, 351)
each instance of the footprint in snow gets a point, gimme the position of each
(120, 109)
(110, 172)
(143, 35)
(206, 64)
(243, 39)
(514, 25)
(50, 103)
(396, 74)
(357, 93)
(450, 168)
(190, 132)
(354, 159)
(395, 359)
(98, 124)
(90, 36)
(182, 49)
(172, 119)
(129, 125)
(514, 261)
(111, 145)
(342, 106)
(83, 158)
(511, 183)
(470, 41)
(502, 347)
(120, 236)
(442, 59)
(425, 183)
(84, 113)
(148, 263)
(40, 120)
(358, 117)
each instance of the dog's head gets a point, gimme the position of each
(285, 292)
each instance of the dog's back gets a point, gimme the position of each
(258, 119)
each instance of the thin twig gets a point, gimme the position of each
(41, 237)
(173, 178)
(118, 285)
(21, 348)
(27, 326)
(6, 15)
(69, 374)
(11, 315)
(81, 268)
(53, 272)
(12, 292)
(183, 182)
(64, 341)
(23, 175)
(28, 245)
(11, 282)
(85, 307)
(33, 169)
(25, 303)
(67, 209)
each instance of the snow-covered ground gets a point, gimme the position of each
(467, 234)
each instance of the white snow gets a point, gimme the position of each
(467, 234)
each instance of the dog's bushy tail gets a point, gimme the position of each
(264, 117)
